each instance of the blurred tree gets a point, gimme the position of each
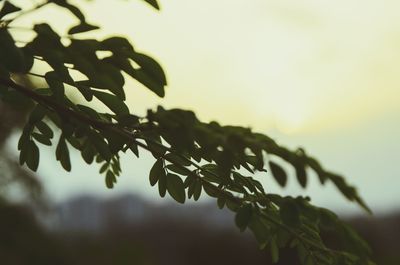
(192, 157)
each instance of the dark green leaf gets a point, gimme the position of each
(150, 74)
(101, 145)
(260, 230)
(13, 58)
(289, 212)
(134, 148)
(117, 45)
(278, 173)
(162, 185)
(178, 170)
(82, 27)
(37, 114)
(8, 8)
(176, 188)
(177, 159)
(243, 216)
(28, 59)
(301, 175)
(112, 102)
(211, 191)
(85, 91)
(88, 153)
(197, 189)
(42, 138)
(104, 167)
(221, 203)
(110, 179)
(89, 111)
(153, 3)
(32, 158)
(274, 251)
(55, 84)
(62, 154)
(44, 129)
(115, 141)
(128, 120)
(156, 171)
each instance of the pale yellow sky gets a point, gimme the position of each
(319, 73)
(297, 65)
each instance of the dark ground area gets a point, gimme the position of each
(128, 230)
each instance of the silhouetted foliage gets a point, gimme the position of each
(192, 157)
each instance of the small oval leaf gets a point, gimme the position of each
(278, 173)
(176, 188)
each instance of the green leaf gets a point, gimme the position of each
(42, 138)
(28, 59)
(104, 167)
(88, 153)
(221, 203)
(85, 91)
(110, 179)
(274, 251)
(260, 230)
(114, 140)
(156, 172)
(55, 84)
(117, 45)
(153, 3)
(278, 173)
(150, 74)
(32, 157)
(44, 129)
(37, 114)
(211, 191)
(289, 212)
(62, 154)
(112, 102)
(178, 170)
(8, 8)
(89, 111)
(243, 216)
(82, 27)
(176, 188)
(177, 159)
(101, 145)
(128, 120)
(301, 175)
(197, 189)
(134, 149)
(162, 185)
(13, 58)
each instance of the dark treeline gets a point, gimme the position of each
(129, 231)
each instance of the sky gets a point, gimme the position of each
(319, 74)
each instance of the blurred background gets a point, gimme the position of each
(322, 75)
